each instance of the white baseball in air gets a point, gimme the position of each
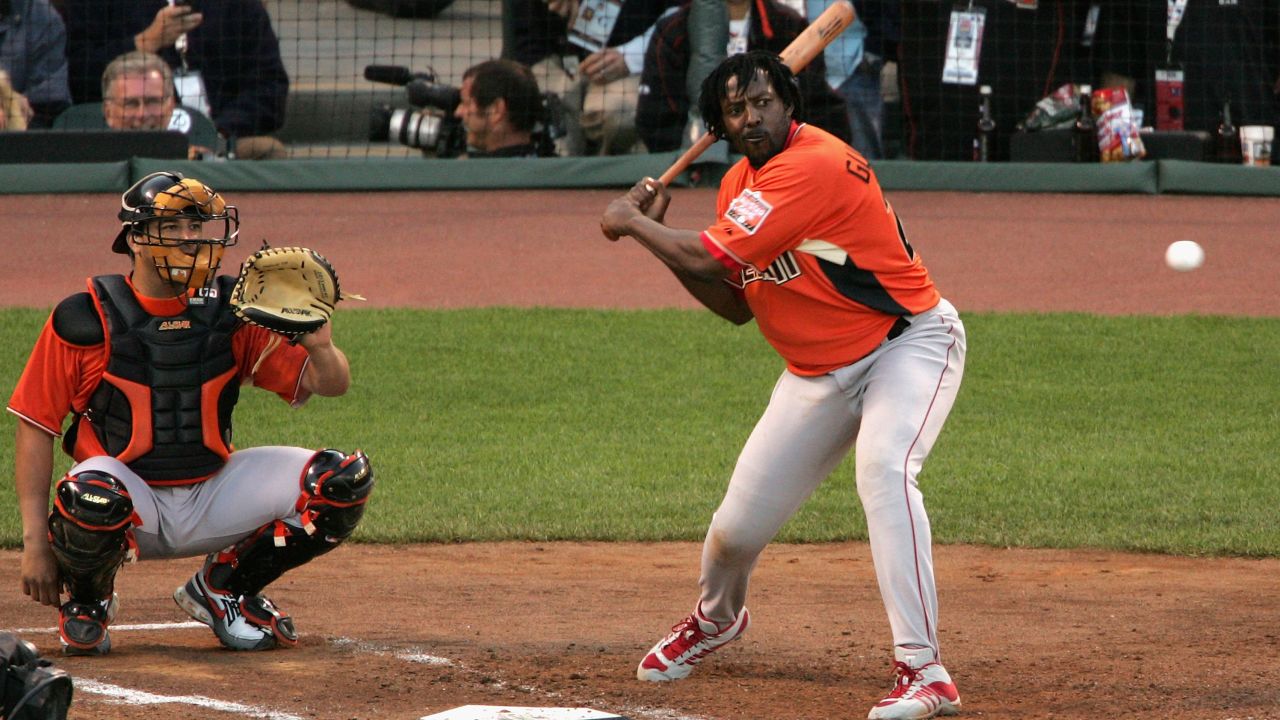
(1184, 255)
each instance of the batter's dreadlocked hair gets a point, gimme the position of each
(744, 67)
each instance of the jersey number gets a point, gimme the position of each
(857, 167)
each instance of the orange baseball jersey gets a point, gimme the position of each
(820, 254)
(60, 377)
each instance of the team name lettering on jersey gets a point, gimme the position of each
(748, 211)
(783, 269)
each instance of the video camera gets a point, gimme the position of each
(430, 126)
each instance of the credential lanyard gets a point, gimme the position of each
(1173, 18)
(1177, 8)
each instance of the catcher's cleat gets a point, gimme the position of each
(82, 627)
(922, 688)
(690, 640)
(240, 622)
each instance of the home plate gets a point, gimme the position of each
(496, 712)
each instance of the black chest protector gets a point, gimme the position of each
(164, 404)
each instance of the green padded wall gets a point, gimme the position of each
(1164, 176)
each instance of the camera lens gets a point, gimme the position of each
(422, 93)
(379, 121)
(415, 128)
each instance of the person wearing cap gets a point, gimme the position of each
(670, 60)
(148, 367)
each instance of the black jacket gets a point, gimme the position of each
(541, 32)
(664, 99)
(235, 49)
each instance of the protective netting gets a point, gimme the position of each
(292, 78)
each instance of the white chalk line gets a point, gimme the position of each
(138, 697)
(407, 655)
(423, 658)
(114, 628)
(128, 696)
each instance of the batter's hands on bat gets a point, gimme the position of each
(170, 23)
(652, 198)
(604, 66)
(647, 198)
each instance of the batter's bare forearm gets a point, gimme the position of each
(681, 250)
(718, 297)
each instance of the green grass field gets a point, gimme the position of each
(1136, 433)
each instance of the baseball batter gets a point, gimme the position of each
(149, 367)
(807, 245)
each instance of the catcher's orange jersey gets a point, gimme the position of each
(60, 377)
(820, 254)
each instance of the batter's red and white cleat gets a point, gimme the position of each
(922, 690)
(690, 640)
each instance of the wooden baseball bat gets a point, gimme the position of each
(811, 41)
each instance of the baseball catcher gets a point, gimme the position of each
(148, 367)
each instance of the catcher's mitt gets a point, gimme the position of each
(288, 290)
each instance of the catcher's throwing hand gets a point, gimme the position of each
(290, 290)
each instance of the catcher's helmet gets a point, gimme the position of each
(162, 194)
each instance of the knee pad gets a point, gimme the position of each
(335, 488)
(89, 532)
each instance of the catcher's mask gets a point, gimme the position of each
(175, 216)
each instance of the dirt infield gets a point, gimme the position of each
(457, 249)
(406, 631)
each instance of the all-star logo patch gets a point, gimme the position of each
(748, 211)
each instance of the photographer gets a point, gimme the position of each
(499, 109)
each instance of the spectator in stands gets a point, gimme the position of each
(664, 102)
(1227, 50)
(854, 62)
(229, 43)
(33, 56)
(1026, 51)
(138, 94)
(598, 89)
(500, 108)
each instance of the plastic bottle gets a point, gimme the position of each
(1085, 133)
(985, 139)
(1228, 139)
